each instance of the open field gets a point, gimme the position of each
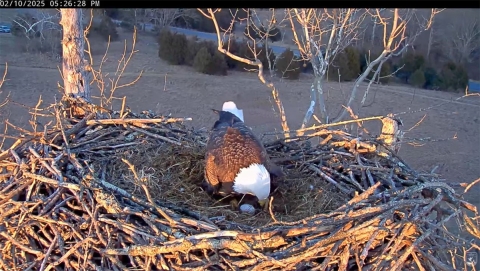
(184, 93)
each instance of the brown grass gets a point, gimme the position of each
(173, 174)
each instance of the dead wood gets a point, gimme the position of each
(61, 208)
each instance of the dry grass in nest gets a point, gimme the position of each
(68, 201)
(173, 174)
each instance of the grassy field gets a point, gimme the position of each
(181, 92)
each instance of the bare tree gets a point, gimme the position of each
(41, 29)
(461, 36)
(374, 27)
(323, 34)
(263, 32)
(431, 38)
(76, 84)
(261, 75)
(35, 24)
(395, 42)
(2, 80)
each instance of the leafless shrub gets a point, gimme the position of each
(1, 84)
(107, 84)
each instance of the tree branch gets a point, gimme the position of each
(257, 62)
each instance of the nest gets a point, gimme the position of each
(120, 191)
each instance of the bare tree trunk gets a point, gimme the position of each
(430, 41)
(391, 134)
(363, 38)
(311, 108)
(321, 100)
(75, 80)
(372, 41)
(357, 83)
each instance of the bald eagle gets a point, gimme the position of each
(236, 162)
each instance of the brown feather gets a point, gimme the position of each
(231, 147)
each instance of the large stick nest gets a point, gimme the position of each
(120, 191)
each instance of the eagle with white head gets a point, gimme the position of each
(236, 161)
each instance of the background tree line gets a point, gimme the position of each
(442, 58)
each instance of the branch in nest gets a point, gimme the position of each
(134, 121)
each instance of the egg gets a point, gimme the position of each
(247, 208)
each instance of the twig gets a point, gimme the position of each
(155, 136)
(323, 126)
(330, 180)
(131, 121)
(470, 185)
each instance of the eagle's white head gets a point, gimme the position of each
(254, 180)
(232, 108)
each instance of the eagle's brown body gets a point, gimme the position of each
(231, 147)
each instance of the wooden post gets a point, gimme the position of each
(75, 80)
(391, 134)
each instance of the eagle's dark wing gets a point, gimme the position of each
(214, 162)
(213, 150)
(231, 146)
(211, 172)
(240, 149)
